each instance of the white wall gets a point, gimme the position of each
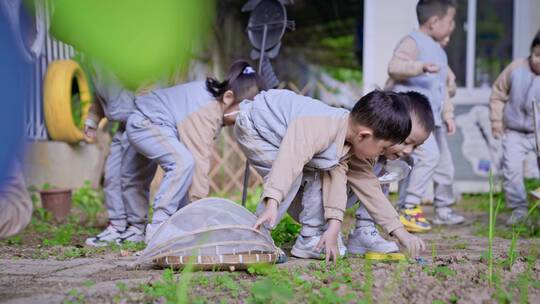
(527, 19)
(385, 23)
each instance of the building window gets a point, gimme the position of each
(482, 40)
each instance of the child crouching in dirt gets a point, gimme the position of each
(175, 127)
(365, 237)
(511, 112)
(284, 134)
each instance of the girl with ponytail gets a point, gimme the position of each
(175, 127)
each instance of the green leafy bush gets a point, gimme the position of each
(88, 200)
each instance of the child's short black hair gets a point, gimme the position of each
(242, 79)
(420, 108)
(536, 41)
(426, 9)
(384, 113)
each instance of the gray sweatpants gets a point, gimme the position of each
(137, 174)
(112, 186)
(304, 200)
(128, 175)
(161, 144)
(432, 160)
(516, 146)
(363, 218)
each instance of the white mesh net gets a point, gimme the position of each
(211, 228)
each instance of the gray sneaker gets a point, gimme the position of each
(518, 216)
(367, 238)
(447, 216)
(132, 234)
(304, 247)
(110, 234)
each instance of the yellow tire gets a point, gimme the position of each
(57, 100)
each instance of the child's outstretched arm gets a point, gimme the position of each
(269, 215)
(334, 202)
(366, 186)
(328, 240)
(300, 143)
(404, 65)
(448, 106)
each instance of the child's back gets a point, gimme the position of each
(276, 112)
(174, 104)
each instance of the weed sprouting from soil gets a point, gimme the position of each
(491, 229)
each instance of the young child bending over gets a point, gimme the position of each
(175, 127)
(285, 135)
(365, 237)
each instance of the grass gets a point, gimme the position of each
(350, 280)
(492, 217)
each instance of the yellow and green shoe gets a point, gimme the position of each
(413, 219)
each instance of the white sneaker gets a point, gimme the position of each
(150, 230)
(447, 216)
(132, 234)
(367, 238)
(110, 234)
(304, 247)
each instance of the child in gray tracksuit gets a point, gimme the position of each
(175, 127)
(420, 64)
(511, 114)
(301, 145)
(116, 103)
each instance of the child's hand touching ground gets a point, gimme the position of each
(329, 240)
(414, 244)
(269, 215)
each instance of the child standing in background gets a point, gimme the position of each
(420, 64)
(284, 134)
(175, 127)
(511, 114)
(116, 103)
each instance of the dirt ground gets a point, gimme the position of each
(455, 271)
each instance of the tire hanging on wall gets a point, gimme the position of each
(57, 100)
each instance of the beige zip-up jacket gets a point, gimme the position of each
(311, 135)
(512, 97)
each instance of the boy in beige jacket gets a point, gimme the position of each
(285, 135)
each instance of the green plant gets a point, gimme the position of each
(270, 291)
(74, 296)
(286, 231)
(396, 279)
(88, 200)
(441, 271)
(72, 252)
(164, 288)
(369, 280)
(227, 283)
(491, 229)
(62, 236)
(516, 230)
